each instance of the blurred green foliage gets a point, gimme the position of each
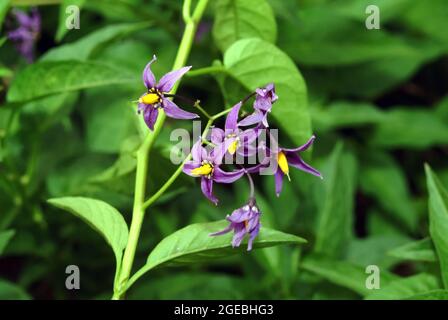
(376, 100)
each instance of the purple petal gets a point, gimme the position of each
(253, 235)
(224, 231)
(251, 119)
(207, 189)
(240, 215)
(190, 165)
(198, 152)
(148, 77)
(221, 176)
(302, 147)
(217, 135)
(240, 232)
(232, 117)
(297, 162)
(167, 82)
(173, 111)
(150, 115)
(278, 181)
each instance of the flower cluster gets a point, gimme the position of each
(232, 140)
(27, 32)
(238, 138)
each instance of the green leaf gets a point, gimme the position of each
(4, 6)
(384, 180)
(63, 15)
(343, 273)
(193, 244)
(431, 295)
(255, 63)
(11, 291)
(438, 220)
(421, 250)
(345, 114)
(102, 217)
(45, 78)
(428, 19)
(88, 45)
(416, 129)
(5, 237)
(335, 219)
(239, 19)
(404, 288)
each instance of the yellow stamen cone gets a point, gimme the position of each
(283, 164)
(149, 98)
(203, 170)
(233, 146)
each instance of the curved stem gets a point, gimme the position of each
(206, 70)
(143, 152)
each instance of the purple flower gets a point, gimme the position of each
(206, 166)
(155, 98)
(280, 159)
(286, 157)
(264, 99)
(26, 33)
(235, 138)
(243, 221)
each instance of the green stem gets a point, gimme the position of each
(176, 173)
(206, 70)
(138, 211)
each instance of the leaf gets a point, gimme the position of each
(431, 295)
(415, 129)
(343, 273)
(5, 237)
(421, 250)
(88, 45)
(11, 291)
(4, 6)
(101, 216)
(45, 78)
(438, 220)
(335, 219)
(239, 19)
(404, 288)
(193, 244)
(343, 114)
(64, 15)
(384, 180)
(428, 19)
(255, 63)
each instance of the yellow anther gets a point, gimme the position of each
(246, 225)
(204, 170)
(283, 164)
(233, 146)
(149, 98)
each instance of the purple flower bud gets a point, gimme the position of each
(27, 32)
(264, 98)
(243, 221)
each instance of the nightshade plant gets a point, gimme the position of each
(201, 165)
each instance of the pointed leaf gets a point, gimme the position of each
(255, 63)
(421, 250)
(438, 220)
(45, 78)
(194, 244)
(239, 19)
(101, 216)
(5, 237)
